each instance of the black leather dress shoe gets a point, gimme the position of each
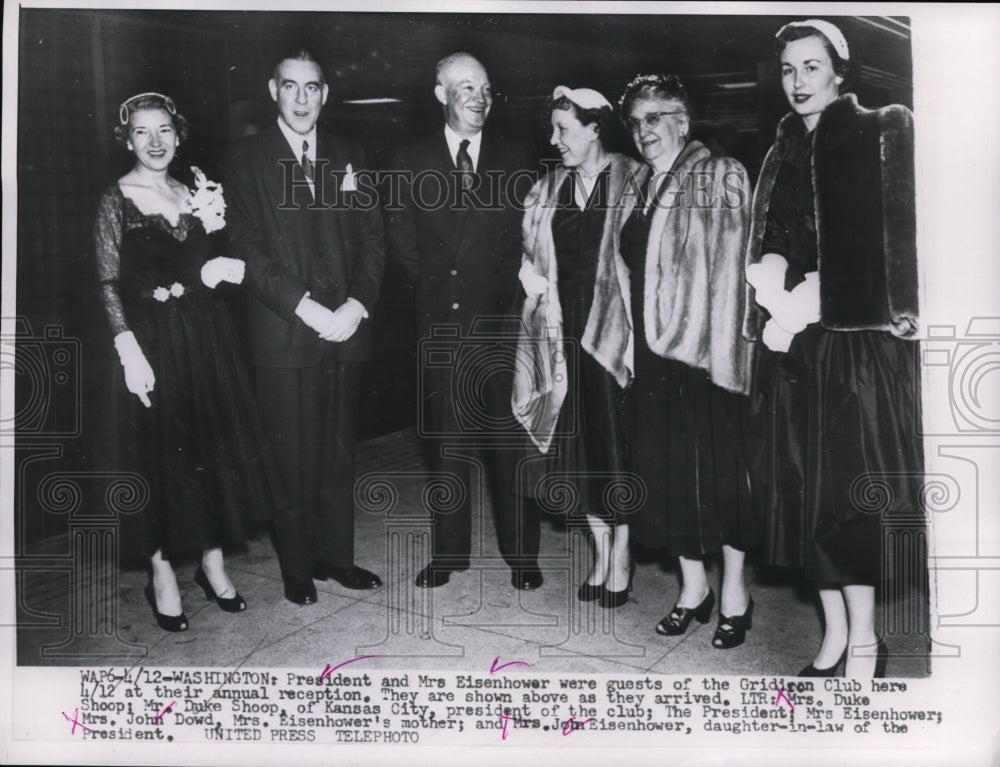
(352, 577)
(526, 578)
(436, 574)
(300, 592)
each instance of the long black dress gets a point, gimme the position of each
(589, 447)
(688, 439)
(199, 446)
(832, 418)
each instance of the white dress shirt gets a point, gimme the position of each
(295, 142)
(454, 140)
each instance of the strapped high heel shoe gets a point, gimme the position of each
(614, 599)
(234, 604)
(732, 630)
(678, 620)
(166, 622)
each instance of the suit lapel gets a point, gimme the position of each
(473, 219)
(327, 186)
(277, 154)
(451, 221)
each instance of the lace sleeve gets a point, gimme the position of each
(107, 241)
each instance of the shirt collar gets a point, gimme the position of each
(295, 140)
(454, 140)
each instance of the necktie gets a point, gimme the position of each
(464, 162)
(307, 166)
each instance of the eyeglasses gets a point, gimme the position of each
(168, 104)
(650, 119)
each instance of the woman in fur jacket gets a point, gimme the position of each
(832, 275)
(573, 364)
(684, 242)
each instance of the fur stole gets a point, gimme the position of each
(865, 218)
(540, 375)
(694, 283)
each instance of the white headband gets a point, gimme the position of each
(582, 97)
(828, 30)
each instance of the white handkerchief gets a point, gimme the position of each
(349, 185)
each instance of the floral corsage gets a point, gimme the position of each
(207, 202)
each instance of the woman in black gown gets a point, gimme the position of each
(191, 427)
(570, 398)
(835, 405)
(684, 243)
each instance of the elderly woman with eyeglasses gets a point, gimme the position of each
(683, 242)
(191, 426)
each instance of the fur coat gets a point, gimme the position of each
(865, 218)
(540, 375)
(694, 282)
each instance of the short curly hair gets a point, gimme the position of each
(149, 101)
(666, 87)
(602, 117)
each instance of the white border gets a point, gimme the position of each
(956, 67)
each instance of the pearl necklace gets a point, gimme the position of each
(592, 174)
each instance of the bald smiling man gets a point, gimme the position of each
(457, 235)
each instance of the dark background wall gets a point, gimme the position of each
(75, 67)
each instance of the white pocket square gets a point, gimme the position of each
(348, 184)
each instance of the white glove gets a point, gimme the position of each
(768, 279)
(139, 378)
(804, 299)
(795, 309)
(222, 269)
(344, 321)
(776, 338)
(533, 284)
(314, 314)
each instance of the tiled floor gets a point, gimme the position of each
(461, 626)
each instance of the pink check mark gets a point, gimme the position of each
(495, 668)
(328, 669)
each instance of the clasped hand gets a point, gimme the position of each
(336, 326)
(791, 311)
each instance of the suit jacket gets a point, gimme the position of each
(331, 246)
(461, 250)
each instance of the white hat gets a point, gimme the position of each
(828, 30)
(586, 98)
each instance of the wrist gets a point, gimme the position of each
(302, 305)
(125, 341)
(359, 306)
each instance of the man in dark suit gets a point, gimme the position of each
(457, 233)
(314, 267)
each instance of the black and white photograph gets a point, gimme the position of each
(566, 377)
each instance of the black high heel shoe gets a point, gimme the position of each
(234, 604)
(612, 599)
(811, 670)
(732, 631)
(166, 622)
(881, 660)
(678, 620)
(588, 592)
